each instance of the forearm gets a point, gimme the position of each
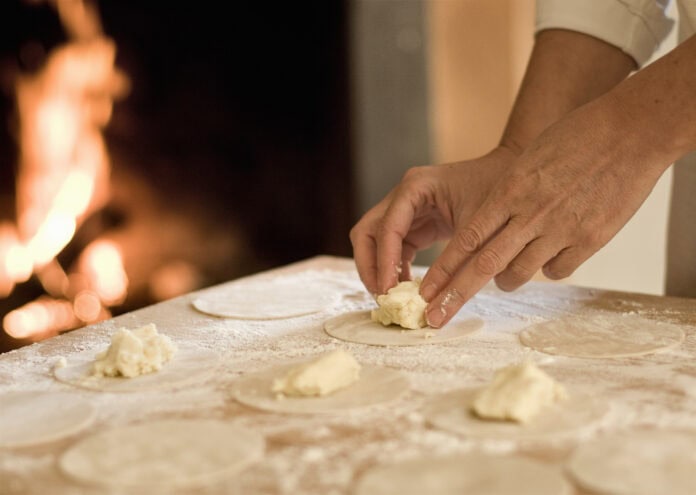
(566, 70)
(656, 107)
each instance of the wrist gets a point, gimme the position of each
(510, 145)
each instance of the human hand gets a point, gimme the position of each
(566, 196)
(426, 206)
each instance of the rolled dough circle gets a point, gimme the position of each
(267, 300)
(167, 453)
(358, 327)
(186, 367)
(637, 463)
(602, 336)
(34, 417)
(376, 386)
(451, 412)
(473, 474)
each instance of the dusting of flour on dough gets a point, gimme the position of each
(323, 454)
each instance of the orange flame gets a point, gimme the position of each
(42, 318)
(102, 263)
(63, 177)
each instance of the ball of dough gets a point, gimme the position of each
(324, 375)
(133, 353)
(402, 305)
(518, 393)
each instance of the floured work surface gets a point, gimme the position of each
(329, 453)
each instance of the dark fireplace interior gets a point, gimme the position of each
(231, 152)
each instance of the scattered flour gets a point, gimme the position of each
(643, 390)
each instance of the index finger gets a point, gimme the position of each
(393, 229)
(477, 272)
(466, 241)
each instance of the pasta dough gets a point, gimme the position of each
(518, 393)
(637, 462)
(326, 374)
(187, 366)
(402, 305)
(475, 474)
(602, 336)
(134, 353)
(266, 300)
(452, 412)
(32, 418)
(159, 454)
(358, 327)
(376, 386)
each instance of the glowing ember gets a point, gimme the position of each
(42, 318)
(88, 307)
(174, 279)
(102, 264)
(15, 261)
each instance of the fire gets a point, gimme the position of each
(63, 178)
(42, 318)
(102, 263)
(15, 262)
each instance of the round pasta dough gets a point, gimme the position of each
(267, 300)
(167, 453)
(32, 418)
(374, 387)
(637, 463)
(602, 336)
(473, 474)
(358, 327)
(186, 367)
(452, 412)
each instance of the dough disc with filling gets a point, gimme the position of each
(358, 327)
(270, 300)
(637, 463)
(186, 367)
(451, 412)
(602, 336)
(167, 453)
(33, 417)
(376, 386)
(474, 474)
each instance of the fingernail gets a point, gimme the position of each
(428, 291)
(435, 316)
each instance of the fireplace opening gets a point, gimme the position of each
(227, 141)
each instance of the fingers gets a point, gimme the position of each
(408, 254)
(365, 255)
(393, 229)
(380, 248)
(465, 242)
(566, 262)
(526, 264)
(490, 260)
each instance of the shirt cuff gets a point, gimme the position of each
(637, 27)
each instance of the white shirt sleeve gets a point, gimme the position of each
(635, 26)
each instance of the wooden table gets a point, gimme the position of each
(326, 454)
